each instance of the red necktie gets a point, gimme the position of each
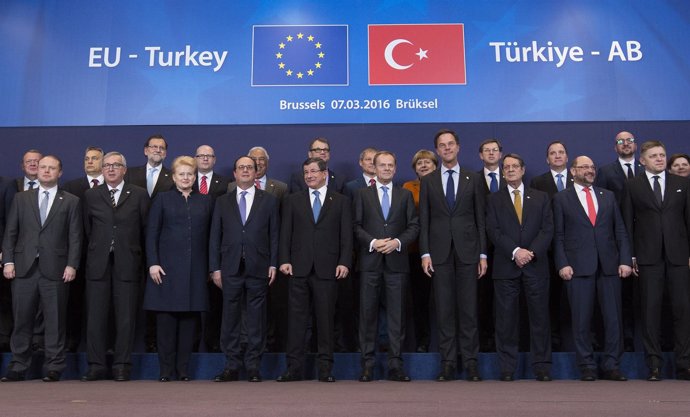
(591, 211)
(372, 182)
(203, 188)
(95, 182)
(257, 184)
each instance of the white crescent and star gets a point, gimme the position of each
(388, 54)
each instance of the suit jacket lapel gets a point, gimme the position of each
(124, 194)
(508, 201)
(258, 199)
(396, 201)
(35, 205)
(575, 201)
(57, 203)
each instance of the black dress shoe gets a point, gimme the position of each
(254, 376)
(683, 374)
(654, 374)
(120, 375)
(447, 374)
(543, 376)
(588, 375)
(326, 377)
(422, 348)
(164, 379)
(227, 375)
(184, 378)
(289, 376)
(398, 375)
(613, 375)
(12, 376)
(367, 374)
(52, 376)
(93, 376)
(507, 376)
(472, 374)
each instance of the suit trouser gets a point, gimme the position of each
(28, 294)
(582, 292)
(236, 289)
(303, 292)
(175, 338)
(393, 286)
(653, 280)
(507, 305)
(420, 285)
(455, 291)
(124, 298)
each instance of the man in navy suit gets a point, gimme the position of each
(368, 177)
(519, 222)
(452, 242)
(243, 255)
(315, 251)
(386, 223)
(318, 148)
(657, 213)
(592, 253)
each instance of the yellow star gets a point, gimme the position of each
(321, 55)
(310, 38)
(300, 75)
(281, 65)
(317, 65)
(288, 72)
(281, 45)
(310, 72)
(279, 55)
(300, 35)
(318, 45)
(289, 38)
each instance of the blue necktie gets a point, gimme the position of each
(149, 180)
(316, 208)
(450, 189)
(385, 202)
(32, 185)
(43, 209)
(493, 186)
(243, 207)
(559, 182)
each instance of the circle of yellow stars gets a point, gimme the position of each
(309, 71)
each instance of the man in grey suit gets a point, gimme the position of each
(452, 242)
(243, 258)
(386, 223)
(41, 249)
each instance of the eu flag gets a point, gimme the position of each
(300, 55)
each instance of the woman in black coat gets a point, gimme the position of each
(177, 255)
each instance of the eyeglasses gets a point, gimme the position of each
(205, 156)
(116, 165)
(623, 140)
(313, 171)
(511, 166)
(585, 167)
(243, 167)
(156, 147)
(320, 150)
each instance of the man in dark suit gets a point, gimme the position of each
(318, 148)
(592, 254)
(154, 177)
(368, 177)
(243, 255)
(315, 251)
(452, 242)
(386, 223)
(115, 219)
(657, 213)
(207, 180)
(41, 251)
(93, 162)
(519, 222)
(5, 291)
(613, 177)
(551, 182)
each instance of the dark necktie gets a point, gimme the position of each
(32, 185)
(630, 171)
(657, 190)
(94, 182)
(257, 184)
(316, 208)
(112, 197)
(450, 189)
(493, 186)
(559, 182)
(372, 182)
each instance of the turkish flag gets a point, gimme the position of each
(417, 54)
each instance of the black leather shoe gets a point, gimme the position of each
(93, 376)
(184, 378)
(164, 379)
(367, 374)
(398, 375)
(613, 375)
(326, 377)
(227, 375)
(120, 375)
(289, 376)
(654, 374)
(12, 376)
(52, 376)
(448, 373)
(543, 376)
(472, 374)
(254, 376)
(683, 374)
(422, 348)
(588, 375)
(507, 377)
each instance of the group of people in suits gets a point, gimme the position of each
(201, 243)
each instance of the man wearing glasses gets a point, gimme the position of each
(318, 148)
(208, 181)
(592, 255)
(153, 177)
